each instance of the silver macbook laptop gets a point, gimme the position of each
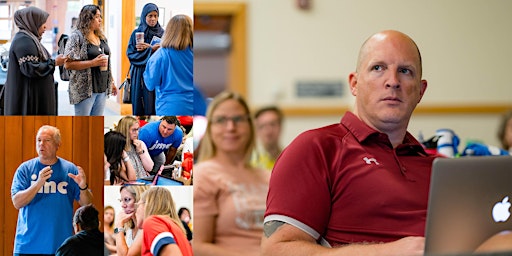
(470, 199)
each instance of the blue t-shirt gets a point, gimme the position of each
(170, 73)
(46, 221)
(155, 142)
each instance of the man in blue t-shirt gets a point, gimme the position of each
(162, 138)
(43, 190)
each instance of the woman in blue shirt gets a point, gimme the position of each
(170, 70)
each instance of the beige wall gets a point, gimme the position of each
(465, 46)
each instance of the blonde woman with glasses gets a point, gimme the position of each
(128, 235)
(136, 149)
(229, 194)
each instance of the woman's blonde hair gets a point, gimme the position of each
(109, 207)
(179, 33)
(207, 149)
(159, 201)
(136, 191)
(123, 126)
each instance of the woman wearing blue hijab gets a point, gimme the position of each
(143, 101)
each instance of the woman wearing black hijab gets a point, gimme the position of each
(30, 88)
(143, 100)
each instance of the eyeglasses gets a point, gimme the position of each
(125, 200)
(223, 120)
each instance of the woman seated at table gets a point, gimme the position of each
(121, 169)
(136, 149)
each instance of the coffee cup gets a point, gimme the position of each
(139, 37)
(104, 68)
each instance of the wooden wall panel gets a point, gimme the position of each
(95, 167)
(3, 187)
(28, 140)
(82, 144)
(14, 148)
(128, 20)
(65, 125)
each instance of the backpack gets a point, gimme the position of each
(64, 73)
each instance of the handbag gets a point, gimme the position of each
(127, 86)
(64, 73)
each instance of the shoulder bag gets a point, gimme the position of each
(127, 85)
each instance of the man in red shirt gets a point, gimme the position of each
(360, 186)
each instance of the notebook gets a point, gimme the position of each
(469, 202)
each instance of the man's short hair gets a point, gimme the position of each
(274, 109)
(171, 120)
(55, 130)
(87, 217)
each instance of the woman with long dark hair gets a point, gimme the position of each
(121, 169)
(90, 81)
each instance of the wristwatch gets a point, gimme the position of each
(118, 230)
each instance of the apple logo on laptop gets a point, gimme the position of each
(500, 211)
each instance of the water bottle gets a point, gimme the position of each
(447, 143)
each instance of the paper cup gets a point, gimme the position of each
(139, 37)
(104, 68)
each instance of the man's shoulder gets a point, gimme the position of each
(327, 130)
(145, 131)
(149, 127)
(65, 162)
(179, 132)
(29, 163)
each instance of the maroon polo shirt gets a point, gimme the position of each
(345, 183)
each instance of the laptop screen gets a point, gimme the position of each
(469, 202)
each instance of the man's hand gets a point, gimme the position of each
(44, 175)
(80, 178)
(411, 245)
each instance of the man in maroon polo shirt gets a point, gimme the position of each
(360, 186)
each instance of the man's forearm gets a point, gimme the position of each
(170, 155)
(284, 239)
(24, 197)
(85, 197)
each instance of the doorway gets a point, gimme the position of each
(220, 48)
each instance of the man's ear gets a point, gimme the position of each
(423, 88)
(352, 83)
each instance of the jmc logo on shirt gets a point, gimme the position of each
(50, 187)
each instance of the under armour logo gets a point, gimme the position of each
(370, 160)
